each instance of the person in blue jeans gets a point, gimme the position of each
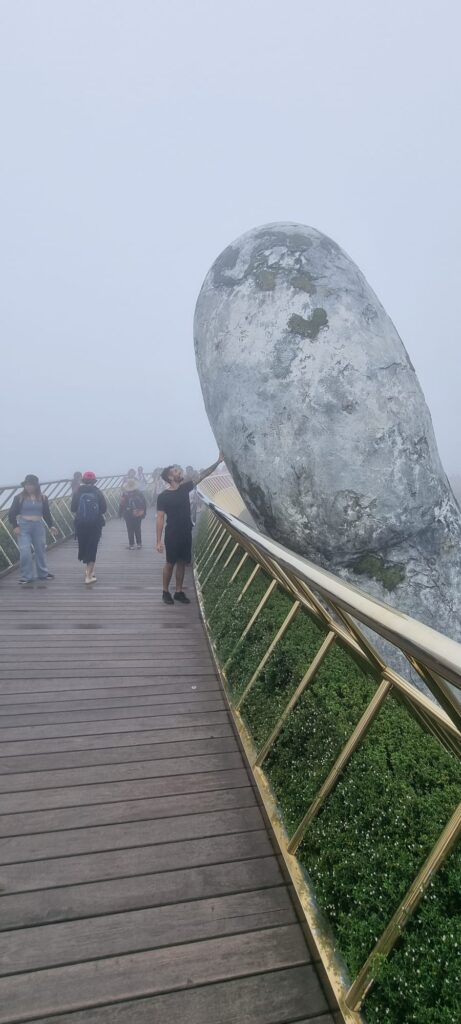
(28, 514)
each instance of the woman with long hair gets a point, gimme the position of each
(28, 514)
(89, 506)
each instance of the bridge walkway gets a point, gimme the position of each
(138, 881)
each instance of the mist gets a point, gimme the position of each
(139, 139)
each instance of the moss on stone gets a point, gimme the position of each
(308, 328)
(390, 574)
(305, 283)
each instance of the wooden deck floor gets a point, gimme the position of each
(138, 882)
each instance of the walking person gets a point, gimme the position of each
(174, 503)
(28, 514)
(140, 476)
(133, 508)
(89, 506)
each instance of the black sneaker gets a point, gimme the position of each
(167, 598)
(49, 576)
(181, 597)
(25, 583)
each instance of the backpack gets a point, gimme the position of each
(135, 505)
(88, 508)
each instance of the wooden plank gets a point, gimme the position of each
(121, 933)
(94, 793)
(98, 741)
(95, 704)
(102, 898)
(88, 766)
(171, 665)
(96, 728)
(111, 837)
(161, 677)
(128, 977)
(128, 862)
(189, 707)
(111, 694)
(121, 811)
(261, 999)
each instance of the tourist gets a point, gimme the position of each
(89, 506)
(174, 503)
(142, 482)
(133, 509)
(28, 514)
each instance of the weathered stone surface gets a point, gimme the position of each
(317, 407)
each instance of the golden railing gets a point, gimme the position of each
(344, 610)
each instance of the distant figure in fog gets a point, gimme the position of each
(28, 514)
(76, 481)
(89, 506)
(133, 509)
(142, 482)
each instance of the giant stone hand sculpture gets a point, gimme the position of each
(316, 405)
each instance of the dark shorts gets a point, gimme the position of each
(178, 548)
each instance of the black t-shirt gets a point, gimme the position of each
(176, 505)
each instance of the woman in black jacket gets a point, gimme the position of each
(27, 515)
(89, 506)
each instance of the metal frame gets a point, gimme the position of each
(343, 609)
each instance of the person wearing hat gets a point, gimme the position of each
(89, 506)
(28, 514)
(133, 508)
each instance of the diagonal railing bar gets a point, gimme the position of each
(248, 583)
(407, 907)
(353, 742)
(302, 686)
(217, 561)
(256, 614)
(265, 658)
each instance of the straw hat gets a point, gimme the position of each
(130, 485)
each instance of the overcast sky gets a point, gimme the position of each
(140, 137)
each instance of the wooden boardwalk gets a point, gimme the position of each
(138, 882)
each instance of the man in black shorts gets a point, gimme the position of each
(174, 503)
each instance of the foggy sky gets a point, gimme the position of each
(139, 138)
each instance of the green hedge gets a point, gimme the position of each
(375, 830)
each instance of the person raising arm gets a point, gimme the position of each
(174, 503)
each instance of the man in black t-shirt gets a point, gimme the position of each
(174, 503)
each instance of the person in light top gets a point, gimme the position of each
(28, 514)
